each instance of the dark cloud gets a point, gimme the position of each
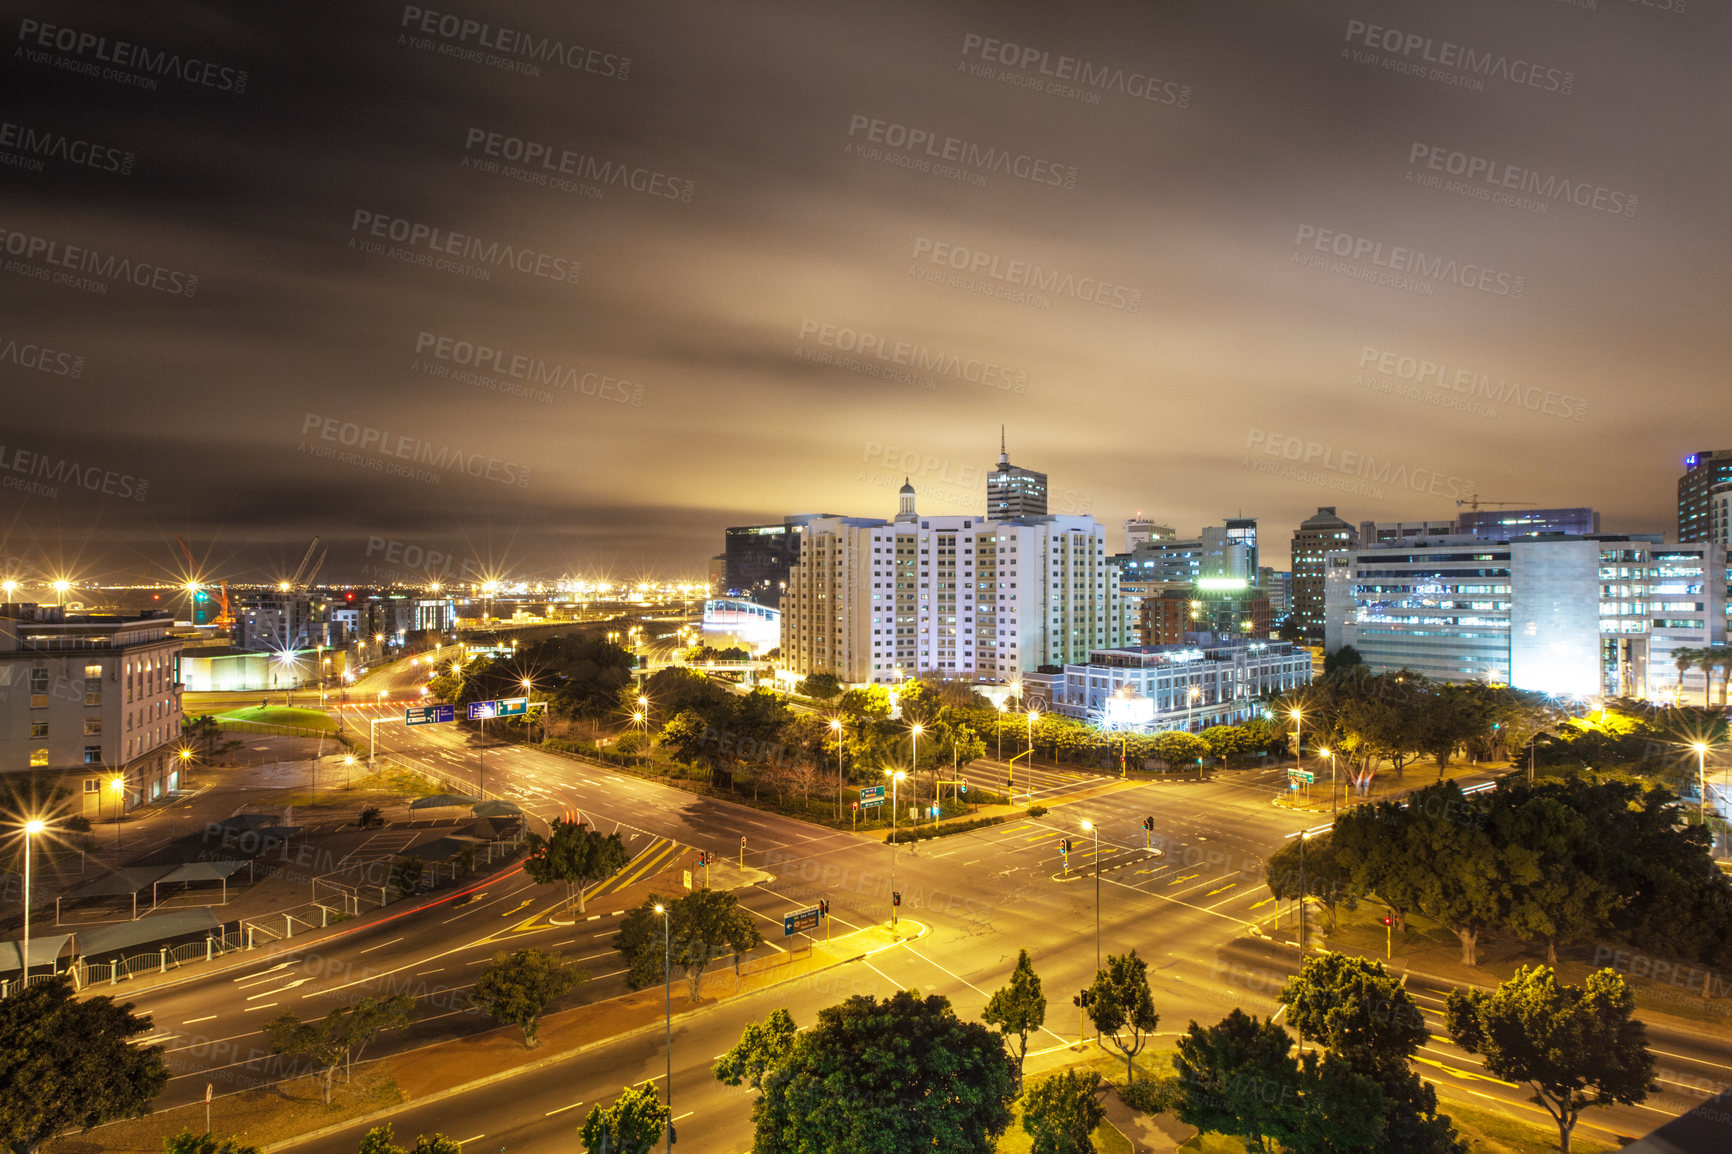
(688, 379)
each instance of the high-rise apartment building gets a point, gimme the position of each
(1704, 472)
(963, 597)
(1316, 537)
(1012, 492)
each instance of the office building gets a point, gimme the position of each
(1512, 523)
(1014, 493)
(91, 700)
(1219, 551)
(1157, 687)
(1704, 472)
(1316, 537)
(1580, 616)
(1720, 514)
(1277, 586)
(1224, 608)
(875, 601)
(755, 558)
(273, 621)
(1140, 529)
(1379, 532)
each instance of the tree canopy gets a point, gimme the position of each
(1576, 1047)
(68, 1061)
(885, 1077)
(1018, 1008)
(516, 988)
(702, 926)
(1121, 1007)
(575, 855)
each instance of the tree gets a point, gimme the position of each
(1344, 658)
(1060, 1113)
(1018, 1008)
(1177, 748)
(886, 1077)
(405, 873)
(378, 1140)
(762, 1047)
(1576, 1046)
(702, 926)
(1225, 741)
(1558, 892)
(515, 988)
(1121, 1007)
(1371, 1025)
(1236, 1077)
(1313, 868)
(186, 1142)
(632, 1125)
(575, 855)
(339, 1037)
(1336, 1111)
(822, 686)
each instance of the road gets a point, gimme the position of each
(1196, 910)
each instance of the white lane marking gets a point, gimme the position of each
(191, 1021)
(381, 945)
(250, 1009)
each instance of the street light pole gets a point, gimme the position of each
(31, 828)
(1089, 825)
(836, 724)
(668, 1016)
(1701, 749)
(1298, 741)
(894, 778)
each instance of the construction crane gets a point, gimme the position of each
(1472, 501)
(308, 568)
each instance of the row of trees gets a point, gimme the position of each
(1558, 861)
(1574, 1047)
(1711, 660)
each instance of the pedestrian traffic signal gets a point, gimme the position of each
(742, 841)
(895, 897)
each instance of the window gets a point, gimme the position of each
(93, 755)
(92, 785)
(92, 726)
(39, 757)
(38, 729)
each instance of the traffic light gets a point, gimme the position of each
(1064, 846)
(742, 841)
(824, 907)
(896, 897)
(1149, 824)
(1389, 921)
(965, 787)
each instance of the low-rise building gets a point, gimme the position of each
(1154, 687)
(91, 701)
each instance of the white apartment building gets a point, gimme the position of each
(962, 597)
(90, 703)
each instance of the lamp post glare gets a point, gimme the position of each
(1298, 739)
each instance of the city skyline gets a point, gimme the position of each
(1138, 239)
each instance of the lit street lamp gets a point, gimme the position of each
(668, 1014)
(1701, 749)
(895, 777)
(999, 728)
(1089, 826)
(836, 725)
(118, 786)
(1325, 752)
(914, 764)
(31, 828)
(1298, 740)
(60, 591)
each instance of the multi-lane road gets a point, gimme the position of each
(1197, 910)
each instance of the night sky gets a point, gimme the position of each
(733, 261)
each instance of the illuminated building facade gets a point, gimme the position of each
(1185, 686)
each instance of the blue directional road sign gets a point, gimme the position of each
(799, 922)
(504, 707)
(429, 714)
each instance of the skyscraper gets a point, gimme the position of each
(1703, 473)
(1316, 536)
(1013, 492)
